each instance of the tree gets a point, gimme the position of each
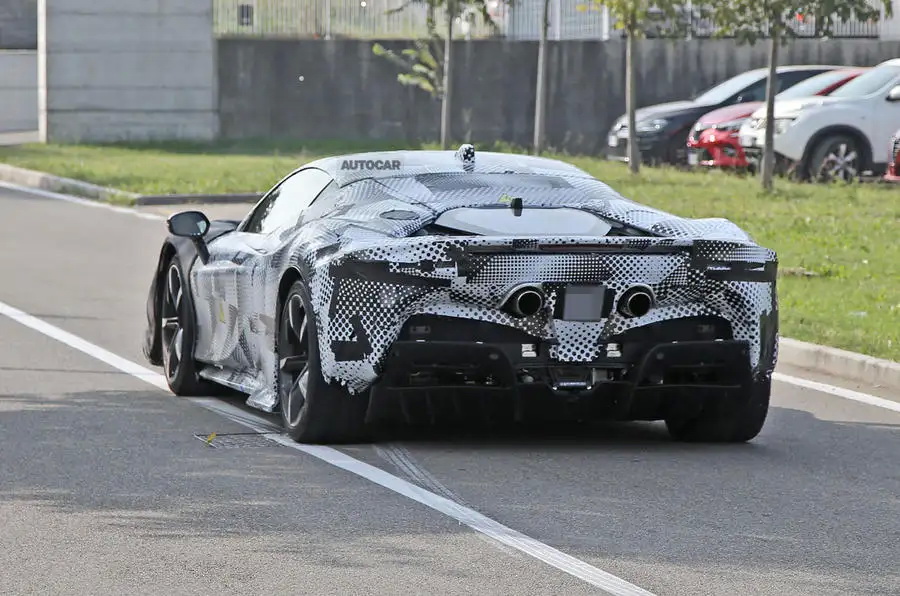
(540, 93)
(421, 61)
(420, 65)
(630, 16)
(751, 20)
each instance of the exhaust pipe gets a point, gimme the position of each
(525, 302)
(636, 301)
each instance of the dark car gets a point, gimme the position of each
(663, 129)
(434, 283)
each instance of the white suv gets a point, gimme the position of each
(838, 136)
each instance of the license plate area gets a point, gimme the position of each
(586, 302)
(693, 158)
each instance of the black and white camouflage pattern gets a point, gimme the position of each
(369, 224)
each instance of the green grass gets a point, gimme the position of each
(838, 246)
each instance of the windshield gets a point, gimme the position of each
(870, 82)
(723, 91)
(814, 85)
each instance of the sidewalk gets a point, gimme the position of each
(19, 137)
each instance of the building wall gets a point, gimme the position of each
(113, 70)
(349, 93)
(18, 90)
(18, 24)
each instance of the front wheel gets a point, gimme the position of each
(725, 421)
(836, 158)
(312, 410)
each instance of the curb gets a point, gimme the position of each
(86, 190)
(833, 361)
(62, 185)
(250, 197)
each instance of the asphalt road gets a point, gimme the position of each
(105, 487)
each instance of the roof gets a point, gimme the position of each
(346, 169)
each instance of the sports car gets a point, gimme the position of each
(435, 284)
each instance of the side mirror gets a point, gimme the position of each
(193, 225)
(189, 224)
(894, 93)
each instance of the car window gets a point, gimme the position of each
(791, 78)
(814, 85)
(282, 207)
(869, 82)
(730, 88)
(755, 92)
(325, 203)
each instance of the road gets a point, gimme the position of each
(105, 486)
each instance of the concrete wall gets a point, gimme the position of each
(126, 70)
(349, 93)
(18, 24)
(18, 90)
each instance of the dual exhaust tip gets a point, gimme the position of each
(525, 302)
(636, 301)
(530, 300)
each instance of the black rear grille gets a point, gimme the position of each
(895, 147)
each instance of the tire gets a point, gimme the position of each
(835, 158)
(676, 150)
(725, 421)
(177, 328)
(312, 410)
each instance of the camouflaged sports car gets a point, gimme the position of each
(430, 284)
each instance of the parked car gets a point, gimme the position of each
(663, 129)
(893, 168)
(713, 141)
(838, 136)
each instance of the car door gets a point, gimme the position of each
(237, 314)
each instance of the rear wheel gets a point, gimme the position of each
(312, 410)
(725, 421)
(177, 331)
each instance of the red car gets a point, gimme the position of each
(713, 140)
(893, 169)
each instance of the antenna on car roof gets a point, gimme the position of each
(466, 154)
(516, 205)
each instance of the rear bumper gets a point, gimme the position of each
(640, 375)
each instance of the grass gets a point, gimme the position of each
(838, 246)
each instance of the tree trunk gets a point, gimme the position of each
(448, 77)
(634, 154)
(541, 90)
(768, 160)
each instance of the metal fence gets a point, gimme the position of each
(520, 20)
(332, 19)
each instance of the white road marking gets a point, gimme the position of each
(859, 396)
(79, 201)
(465, 515)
